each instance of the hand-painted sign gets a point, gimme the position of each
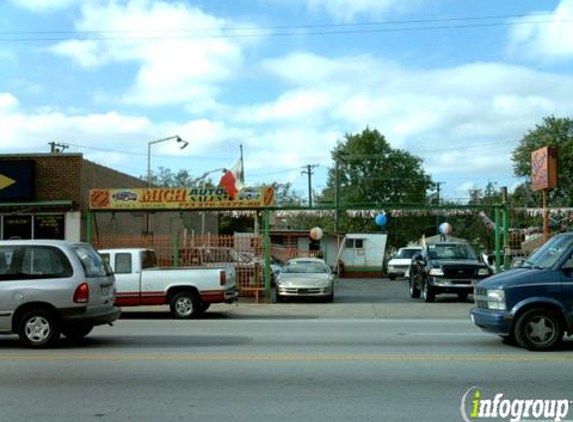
(16, 180)
(544, 168)
(179, 198)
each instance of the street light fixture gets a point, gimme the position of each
(169, 138)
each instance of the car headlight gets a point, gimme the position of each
(496, 299)
(496, 295)
(437, 272)
(483, 272)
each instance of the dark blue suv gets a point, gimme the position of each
(531, 305)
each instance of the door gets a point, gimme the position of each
(127, 279)
(567, 283)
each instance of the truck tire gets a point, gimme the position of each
(428, 293)
(185, 305)
(414, 290)
(392, 276)
(38, 328)
(538, 329)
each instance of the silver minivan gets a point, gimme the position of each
(53, 287)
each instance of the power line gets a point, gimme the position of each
(274, 27)
(280, 31)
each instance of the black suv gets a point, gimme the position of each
(445, 267)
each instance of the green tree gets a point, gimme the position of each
(168, 179)
(556, 132)
(371, 172)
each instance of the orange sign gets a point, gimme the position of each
(544, 168)
(179, 198)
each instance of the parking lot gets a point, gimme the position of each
(354, 298)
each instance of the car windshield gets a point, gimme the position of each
(548, 254)
(452, 251)
(406, 253)
(305, 267)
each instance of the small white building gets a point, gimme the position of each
(361, 255)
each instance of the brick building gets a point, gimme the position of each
(46, 196)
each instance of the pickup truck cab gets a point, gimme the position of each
(531, 305)
(188, 291)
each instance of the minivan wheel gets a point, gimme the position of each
(76, 333)
(185, 305)
(538, 329)
(38, 328)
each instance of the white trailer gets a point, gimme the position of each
(361, 255)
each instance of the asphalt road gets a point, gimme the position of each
(284, 370)
(315, 363)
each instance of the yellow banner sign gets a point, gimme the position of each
(179, 198)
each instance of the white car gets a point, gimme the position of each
(305, 277)
(399, 265)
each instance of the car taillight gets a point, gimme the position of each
(222, 278)
(82, 293)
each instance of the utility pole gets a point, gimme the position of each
(438, 184)
(309, 172)
(57, 148)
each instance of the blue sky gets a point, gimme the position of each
(455, 83)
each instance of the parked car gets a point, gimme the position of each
(399, 264)
(305, 277)
(51, 287)
(531, 305)
(445, 267)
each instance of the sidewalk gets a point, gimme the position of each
(354, 299)
(302, 310)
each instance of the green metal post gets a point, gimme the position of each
(89, 225)
(497, 240)
(175, 240)
(506, 246)
(267, 251)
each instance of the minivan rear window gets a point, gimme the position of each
(93, 264)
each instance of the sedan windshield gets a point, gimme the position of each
(547, 255)
(305, 267)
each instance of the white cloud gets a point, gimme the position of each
(348, 10)
(465, 119)
(174, 67)
(549, 40)
(7, 102)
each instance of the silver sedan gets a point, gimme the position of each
(305, 277)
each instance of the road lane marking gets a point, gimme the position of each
(161, 357)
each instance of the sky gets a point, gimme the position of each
(455, 83)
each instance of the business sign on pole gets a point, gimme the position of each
(544, 168)
(179, 198)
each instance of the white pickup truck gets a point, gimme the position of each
(188, 291)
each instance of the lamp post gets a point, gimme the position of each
(169, 138)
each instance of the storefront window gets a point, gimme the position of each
(17, 227)
(49, 227)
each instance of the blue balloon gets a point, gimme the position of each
(381, 219)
